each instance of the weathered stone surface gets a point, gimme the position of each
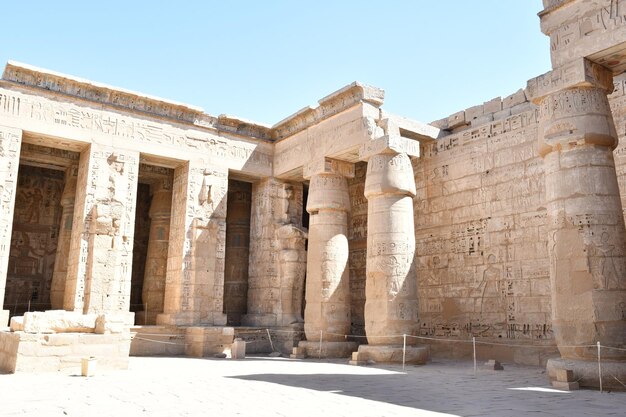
(416, 355)
(391, 287)
(508, 224)
(327, 285)
(157, 341)
(42, 353)
(59, 321)
(585, 373)
(329, 349)
(10, 142)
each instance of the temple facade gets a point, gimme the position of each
(344, 228)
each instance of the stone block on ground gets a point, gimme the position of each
(59, 321)
(208, 341)
(566, 386)
(117, 322)
(298, 353)
(328, 349)
(44, 352)
(17, 324)
(494, 365)
(357, 359)
(238, 349)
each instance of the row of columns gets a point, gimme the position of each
(391, 283)
(185, 260)
(187, 287)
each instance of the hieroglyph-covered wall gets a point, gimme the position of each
(481, 227)
(34, 238)
(483, 266)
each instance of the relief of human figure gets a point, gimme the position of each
(490, 291)
(292, 271)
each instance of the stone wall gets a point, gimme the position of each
(140, 247)
(34, 238)
(481, 224)
(237, 251)
(480, 217)
(357, 237)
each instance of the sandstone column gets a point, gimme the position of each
(153, 289)
(10, 143)
(587, 238)
(327, 311)
(100, 256)
(391, 280)
(57, 287)
(194, 284)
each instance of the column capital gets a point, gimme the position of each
(578, 73)
(389, 144)
(328, 166)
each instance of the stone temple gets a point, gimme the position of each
(136, 225)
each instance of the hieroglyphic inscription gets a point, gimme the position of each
(26, 108)
(605, 18)
(10, 141)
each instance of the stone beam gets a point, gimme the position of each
(389, 145)
(582, 28)
(338, 137)
(395, 125)
(73, 124)
(578, 73)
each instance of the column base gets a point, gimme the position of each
(144, 318)
(259, 320)
(329, 349)
(4, 318)
(417, 355)
(586, 373)
(190, 319)
(284, 339)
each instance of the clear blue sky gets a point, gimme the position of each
(263, 60)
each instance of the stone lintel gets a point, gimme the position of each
(328, 166)
(395, 125)
(578, 73)
(327, 107)
(31, 76)
(557, 13)
(240, 126)
(389, 144)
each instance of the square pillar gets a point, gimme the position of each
(275, 204)
(10, 143)
(100, 256)
(194, 283)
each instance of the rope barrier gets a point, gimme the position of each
(162, 341)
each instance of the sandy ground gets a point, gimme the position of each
(261, 386)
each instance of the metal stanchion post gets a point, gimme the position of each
(403, 350)
(474, 347)
(269, 336)
(321, 338)
(599, 367)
